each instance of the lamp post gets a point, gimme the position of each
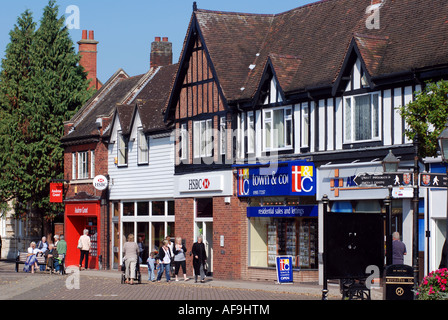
(443, 144)
(390, 164)
(415, 202)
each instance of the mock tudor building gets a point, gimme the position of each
(314, 92)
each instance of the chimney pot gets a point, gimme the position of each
(84, 34)
(165, 39)
(91, 36)
(157, 39)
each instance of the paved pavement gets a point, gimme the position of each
(106, 285)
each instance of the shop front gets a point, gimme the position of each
(282, 214)
(78, 217)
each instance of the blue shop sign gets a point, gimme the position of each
(283, 211)
(296, 178)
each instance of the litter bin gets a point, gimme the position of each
(399, 282)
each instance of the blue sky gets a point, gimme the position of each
(126, 28)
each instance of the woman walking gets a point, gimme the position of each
(199, 259)
(164, 261)
(179, 258)
(130, 252)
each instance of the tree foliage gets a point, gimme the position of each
(41, 86)
(427, 116)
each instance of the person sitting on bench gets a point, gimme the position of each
(52, 258)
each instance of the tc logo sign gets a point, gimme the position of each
(302, 179)
(243, 182)
(284, 265)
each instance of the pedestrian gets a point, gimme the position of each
(42, 245)
(130, 252)
(179, 250)
(62, 251)
(84, 246)
(31, 258)
(164, 261)
(398, 249)
(171, 246)
(51, 256)
(199, 259)
(151, 262)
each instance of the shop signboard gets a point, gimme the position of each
(56, 192)
(284, 269)
(285, 179)
(100, 182)
(283, 211)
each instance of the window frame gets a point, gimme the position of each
(83, 165)
(142, 154)
(350, 118)
(203, 148)
(183, 142)
(271, 121)
(122, 143)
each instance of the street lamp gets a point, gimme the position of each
(390, 162)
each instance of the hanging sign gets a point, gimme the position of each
(56, 192)
(100, 182)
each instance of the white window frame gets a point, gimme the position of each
(143, 147)
(305, 129)
(269, 120)
(122, 146)
(223, 134)
(349, 118)
(92, 164)
(250, 132)
(74, 165)
(203, 138)
(83, 165)
(183, 141)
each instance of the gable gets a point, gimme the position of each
(196, 88)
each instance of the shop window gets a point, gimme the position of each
(158, 234)
(128, 228)
(143, 240)
(204, 208)
(171, 208)
(128, 208)
(158, 208)
(297, 237)
(143, 208)
(171, 231)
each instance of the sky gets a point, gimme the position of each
(126, 28)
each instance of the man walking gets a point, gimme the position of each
(398, 249)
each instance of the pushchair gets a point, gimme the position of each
(138, 275)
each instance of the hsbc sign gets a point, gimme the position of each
(201, 183)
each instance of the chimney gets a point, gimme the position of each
(161, 52)
(88, 52)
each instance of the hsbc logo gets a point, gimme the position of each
(198, 184)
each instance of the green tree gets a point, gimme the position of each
(427, 116)
(56, 87)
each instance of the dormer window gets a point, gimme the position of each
(143, 147)
(122, 150)
(362, 118)
(277, 128)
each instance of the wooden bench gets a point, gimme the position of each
(21, 259)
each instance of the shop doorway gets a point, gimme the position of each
(205, 229)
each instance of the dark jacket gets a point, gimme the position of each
(178, 251)
(161, 254)
(198, 250)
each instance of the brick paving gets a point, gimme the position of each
(106, 285)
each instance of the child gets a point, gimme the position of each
(151, 267)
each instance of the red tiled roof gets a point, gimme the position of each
(307, 45)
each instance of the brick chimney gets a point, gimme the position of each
(88, 52)
(161, 52)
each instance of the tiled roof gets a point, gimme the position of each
(307, 45)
